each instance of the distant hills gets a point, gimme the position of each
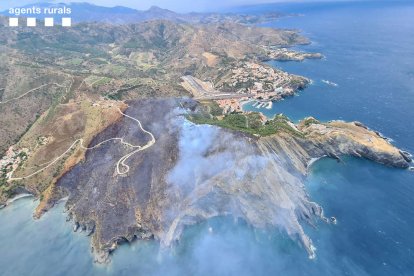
(86, 12)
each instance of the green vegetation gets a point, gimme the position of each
(247, 122)
(32, 43)
(137, 42)
(118, 94)
(115, 96)
(98, 61)
(298, 83)
(309, 121)
(5, 170)
(3, 181)
(113, 70)
(75, 61)
(96, 81)
(133, 81)
(23, 155)
(102, 81)
(55, 101)
(9, 189)
(212, 107)
(28, 65)
(117, 70)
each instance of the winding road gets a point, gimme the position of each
(121, 161)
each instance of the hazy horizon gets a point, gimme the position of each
(179, 6)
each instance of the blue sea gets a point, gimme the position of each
(369, 50)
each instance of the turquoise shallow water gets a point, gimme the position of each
(370, 54)
(40, 247)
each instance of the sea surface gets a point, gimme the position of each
(369, 49)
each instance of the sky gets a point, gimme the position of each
(175, 5)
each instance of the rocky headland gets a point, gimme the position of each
(198, 171)
(285, 54)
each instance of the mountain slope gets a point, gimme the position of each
(86, 12)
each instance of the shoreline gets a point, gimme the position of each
(312, 161)
(16, 198)
(258, 104)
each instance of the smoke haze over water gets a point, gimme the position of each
(220, 173)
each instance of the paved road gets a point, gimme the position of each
(203, 94)
(120, 163)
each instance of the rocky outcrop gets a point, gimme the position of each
(284, 54)
(196, 172)
(333, 139)
(338, 138)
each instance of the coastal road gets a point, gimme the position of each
(224, 96)
(200, 93)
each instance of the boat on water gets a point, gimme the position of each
(330, 83)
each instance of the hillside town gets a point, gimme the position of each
(247, 81)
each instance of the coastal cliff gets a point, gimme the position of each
(333, 139)
(196, 172)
